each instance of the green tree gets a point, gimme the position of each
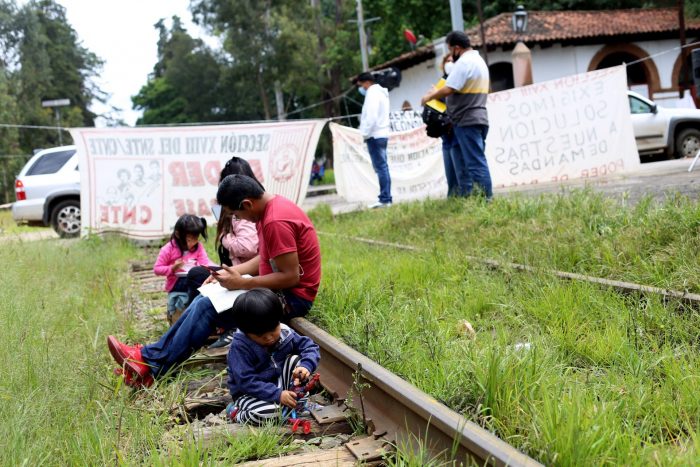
(293, 54)
(51, 64)
(184, 85)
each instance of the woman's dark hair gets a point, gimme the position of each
(188, 224)
(257, 311)
(237, 165)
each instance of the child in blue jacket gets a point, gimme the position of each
(265, 356)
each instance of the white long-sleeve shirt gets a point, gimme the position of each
(374, 122)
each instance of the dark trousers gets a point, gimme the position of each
(471, 165)
(377, 152)
(191, 331)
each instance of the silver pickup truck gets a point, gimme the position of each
(673, 132)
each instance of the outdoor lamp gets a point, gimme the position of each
(520, 20)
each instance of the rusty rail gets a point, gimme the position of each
(402, 414)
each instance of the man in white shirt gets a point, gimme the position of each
(374, 127)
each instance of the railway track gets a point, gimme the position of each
(395, 414)
(399, 414)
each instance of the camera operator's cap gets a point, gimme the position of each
(364, 76)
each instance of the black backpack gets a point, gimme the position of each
(437, 123)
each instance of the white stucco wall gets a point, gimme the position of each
(415, 82)
(547, 63)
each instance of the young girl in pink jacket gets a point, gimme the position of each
(182, 252)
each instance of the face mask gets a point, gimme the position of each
(455, 56)
(448, 67)
(362, 91)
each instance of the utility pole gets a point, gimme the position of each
(684, 50)
(56, 104)
(363, 36)
(456, 14)
(481, 29)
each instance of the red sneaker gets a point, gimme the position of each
(129, 357)
(132, 379)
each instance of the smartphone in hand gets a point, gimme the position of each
(214, 269)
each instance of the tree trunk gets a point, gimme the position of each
(263, 96)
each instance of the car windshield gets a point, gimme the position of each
(638, 106)
(50, 163)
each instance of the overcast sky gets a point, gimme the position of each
(121, 32)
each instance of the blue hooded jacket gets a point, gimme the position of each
(255, 370)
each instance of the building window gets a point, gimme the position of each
(501, 75)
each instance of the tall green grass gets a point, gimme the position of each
(9, 227)
(602, 378)
(651, 243)
(60, 403)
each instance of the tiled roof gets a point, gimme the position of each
(572, 26)
(408, 59)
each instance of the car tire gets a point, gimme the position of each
(65, 218)
(687, 143)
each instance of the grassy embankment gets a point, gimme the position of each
(606, 378)
(60, 403)
(10, 227)
(569, 372)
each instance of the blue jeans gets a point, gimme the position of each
(449, 146)
(472, 165)
(377, 152)
(191, 332)
(297, 306)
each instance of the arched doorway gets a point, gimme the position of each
(682, 76)
(642, 76)
(501, 74)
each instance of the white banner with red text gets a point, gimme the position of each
(574, 127)
(139, 181)
(415, 165)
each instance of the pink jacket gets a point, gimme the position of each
(171, 253)
(242, 242)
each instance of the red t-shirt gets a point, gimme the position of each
(285, 228)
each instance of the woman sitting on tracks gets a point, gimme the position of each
(265, 357)
(289, 261)
(236, 242)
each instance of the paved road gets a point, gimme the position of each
(658, 179)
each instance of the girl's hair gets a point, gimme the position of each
(257, 311)
(237, 165)
(188, 224)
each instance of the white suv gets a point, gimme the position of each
(674, 132)
(48, 191)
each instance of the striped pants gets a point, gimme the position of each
(257, 412)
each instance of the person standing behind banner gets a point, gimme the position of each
(450, 149)
(374, 128)
(466, 91)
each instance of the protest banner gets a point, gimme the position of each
(574, 127)
(139, 181)
(402, 120)
(415, 163)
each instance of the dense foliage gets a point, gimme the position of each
(41, 58)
